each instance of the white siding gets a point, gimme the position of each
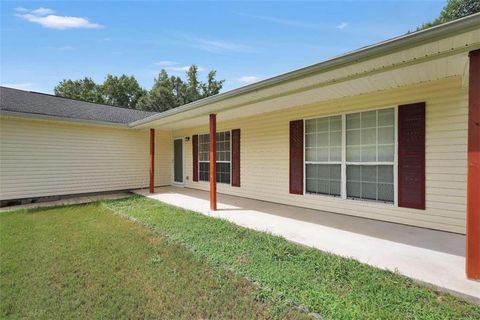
(42, 158)
(265, 156)
(45, 158)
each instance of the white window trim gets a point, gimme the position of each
(343, 163)
(216, 161)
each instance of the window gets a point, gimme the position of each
(370, 155)
(367, 162)
(203, 156)
(323, 155)
(223, 163)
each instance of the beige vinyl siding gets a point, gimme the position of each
(163, 158)
(265, 155)
(45, 158)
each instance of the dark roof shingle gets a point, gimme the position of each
(19, 101)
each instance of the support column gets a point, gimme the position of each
(213, 162)
(152, 160)
(473, 179)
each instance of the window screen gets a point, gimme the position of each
(370, 182)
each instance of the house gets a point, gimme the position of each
(389, 132)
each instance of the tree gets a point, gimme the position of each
(193, 85)
(122, 91)
(84, 89)
(454, 9)
(166, 93)
(171, 92)
(161, 97)
(212, 86)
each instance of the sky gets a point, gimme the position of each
(44, 42)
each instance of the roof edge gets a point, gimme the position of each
(36, 116)
(75, 99)
(403, 41)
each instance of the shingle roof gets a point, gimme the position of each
(27, 102)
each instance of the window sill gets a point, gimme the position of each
(339, 199)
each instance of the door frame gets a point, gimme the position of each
(176, 183)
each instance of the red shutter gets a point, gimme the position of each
(195, 157)
(411, 155)
(296, 157)
(236, 158)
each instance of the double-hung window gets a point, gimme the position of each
(223, 161)
(370, 155)
(323, 155)
(361, 145)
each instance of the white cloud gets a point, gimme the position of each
(62, 48)
(287, 22)
(42, 11)
(342, 25)
(219, 46)
(182, 69)
(46, 18)
(165, 63)
(211, 45)
(175, 67)
(248, 79)
(21, 86)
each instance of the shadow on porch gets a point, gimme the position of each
(434, 257)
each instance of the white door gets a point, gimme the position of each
(178, 161)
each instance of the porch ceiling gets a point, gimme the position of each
(428, 61)
(445, 67)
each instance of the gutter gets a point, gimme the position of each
(37, 116)
(369, 52)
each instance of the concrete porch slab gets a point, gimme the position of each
(432, 257)
(69, 201)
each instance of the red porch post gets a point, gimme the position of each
(213, 161)
(473, 180)
(152, 160)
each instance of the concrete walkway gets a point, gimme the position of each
(432, 257)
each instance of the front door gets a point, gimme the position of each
(178, 161)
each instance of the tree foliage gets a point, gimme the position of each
(166, 93)
(84, 89)
(170, 91)
(122, 91)
(454, 9)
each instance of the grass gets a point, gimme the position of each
(328, 285)
(86, 262)
(82, 261)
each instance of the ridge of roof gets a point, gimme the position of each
(74, 99)
(36, 104)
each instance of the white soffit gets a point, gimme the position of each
(451, 66)
(434, 60)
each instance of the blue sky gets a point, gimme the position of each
(43, 42)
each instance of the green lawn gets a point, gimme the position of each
(82, 261)
(88, 261)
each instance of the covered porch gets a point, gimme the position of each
(434, 187)
(432, 257)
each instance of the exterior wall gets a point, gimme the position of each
(265, 155)
(163, 158)
(45, 158)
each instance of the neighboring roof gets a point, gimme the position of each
(470, 22)
(14, 101)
